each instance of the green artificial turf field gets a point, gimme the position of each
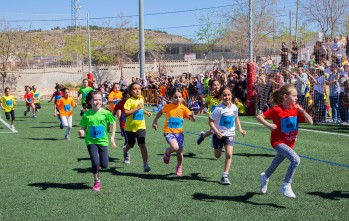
(44, 177)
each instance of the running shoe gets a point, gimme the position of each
(127, 156)
(201, 138)
(264, 183)
(97, 186)
(146, 168)
(287, 190)
(179, 171)
(166, 157)
(225, 181)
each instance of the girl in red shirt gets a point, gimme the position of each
(119, 112)
(284, 130)
(29, 101)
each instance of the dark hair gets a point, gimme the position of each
(64, 89)
(276, 96)
(174, 90)
(112, 88)
(27, 86)
(90, 96)
(6, 88)
(85, 80)
(130, 87)
(211, 82)
(223, 89)
(125, 93)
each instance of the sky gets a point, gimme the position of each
(26, 14)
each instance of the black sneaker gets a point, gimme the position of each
(201, 138)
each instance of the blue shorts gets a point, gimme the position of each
(178, 137)
(224, 141)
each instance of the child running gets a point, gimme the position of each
(65, 106)
(94, 127)
(83, 91)
(8, 105)
(29, 101)
(222, 122)
(57, 95)
(211, 102)
(173, 128)
(37, 104)
(115, 95)
(119, 111)
(284, 130)
(135, 124)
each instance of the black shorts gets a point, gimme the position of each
(37, 105)
(131, 137)
(224, 141)
(11, 113)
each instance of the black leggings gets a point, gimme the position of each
(98, 156)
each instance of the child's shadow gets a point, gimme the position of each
(243, 199)
(111, 159)
(334, 195)
(68, 186)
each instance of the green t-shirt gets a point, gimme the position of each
(84, 92)
(96, 126)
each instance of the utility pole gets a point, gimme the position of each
(141, 41)
(250, 46)
(89, 43)
(297, 21)
(290, 28)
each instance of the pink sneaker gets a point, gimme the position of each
(96, 186)
(179, 170)
(166, 157)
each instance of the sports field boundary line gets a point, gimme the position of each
(272, 150)
(8, 126)
(309, 130)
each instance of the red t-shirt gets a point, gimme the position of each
(120, 106)
(286, 121)
(29, 98)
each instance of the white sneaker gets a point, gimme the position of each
(264, 183)
(287, 190)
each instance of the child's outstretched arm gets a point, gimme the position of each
(261, 119)
(239, 126)
(155, 122)
(112, 137)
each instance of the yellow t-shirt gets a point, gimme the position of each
(136, 120)
(212, 103)
(36, 96)
(174, 117)
(8, 103)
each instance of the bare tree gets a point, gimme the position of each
(327, 14)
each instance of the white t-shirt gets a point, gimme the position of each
(320, 86)
(224, 119)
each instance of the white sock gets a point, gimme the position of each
(225, 174)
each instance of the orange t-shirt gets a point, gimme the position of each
(116, 96)
(65, 106)
(174, 117)
(185, 94)
(162, 90)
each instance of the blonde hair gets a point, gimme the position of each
(277, 96)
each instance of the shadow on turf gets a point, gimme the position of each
(253, 155)
(68, 186)
(242, 199)
(47, 138)
(111, 159)
(334, 195)
(192, 156)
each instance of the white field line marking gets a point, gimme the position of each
(7, 125)
(315, 131)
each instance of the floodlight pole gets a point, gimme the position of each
(250, 46)
(89, 43)
(141, 41)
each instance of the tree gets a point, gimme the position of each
(7, 49)
(237, 30)
(75, 44)
(209, 33)
(327, 14)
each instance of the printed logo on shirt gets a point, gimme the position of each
(138, 115)
(175, 122)
(116, 101)
(30, 100)
(36, 95)
(57, 97)
(289, 124)
(84, 95)
(9, 102)
(97, 131)
(123, 118)
(67, 107)
(227, 121)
